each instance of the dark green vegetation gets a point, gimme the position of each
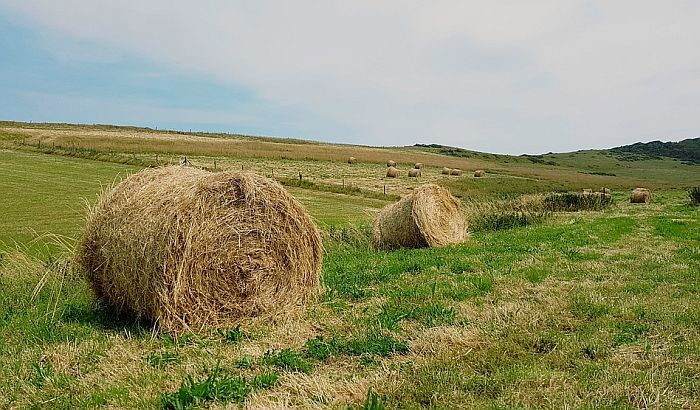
(694, 195)
(572, 202)
(540, 308)
(687, 150)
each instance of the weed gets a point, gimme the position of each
(216, 386)
(288, 359)
(234, 335)
(163, 360)
(694, 195)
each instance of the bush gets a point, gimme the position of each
(572, 202)
(694, 195)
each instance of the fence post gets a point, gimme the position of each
(300, 177)
(384, 189)
(214, 165)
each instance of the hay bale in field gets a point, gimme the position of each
(479, 173)
(414, 173)
(392, 172)
(446, 171)
(455, 171)
(430, 216)
(418, 165)
(391, 163)
(606, 191)
(587, 191)
(640, 196)
(188, 249)
(352, 160)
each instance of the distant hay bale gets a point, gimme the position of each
(606, 191)
(352, 160)
(587, 191)
(640, 196)
(414, 173)
(418, 165)
(188, 249)
(455, 171)
(446, 171)
(392, 172)
(479, 173)
(430, 216)
(391, 163)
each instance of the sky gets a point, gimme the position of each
(507, 76)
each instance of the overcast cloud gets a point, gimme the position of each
(499, 76)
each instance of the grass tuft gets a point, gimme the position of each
(572, 202)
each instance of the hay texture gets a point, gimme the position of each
(392, 172)
(418, 165)
(352, 160)
(456, 171)
(188, 249)
(446, 171)
(414, 173)
(391, 163)
(430, 216)
(479, 173)
(640, 196)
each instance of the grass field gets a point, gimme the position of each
(595, 309)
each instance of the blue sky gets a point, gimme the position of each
(499, 76)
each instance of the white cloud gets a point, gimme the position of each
(502, 76)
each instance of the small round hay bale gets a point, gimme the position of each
(456, 171)
(587, 191)
(606, 191)
(640, 196)
(479, 173)
(414, 173)
(391, 163)
(352, 160)
(446, 171)
(188, 249)
(392, 172)
(430, 216)
(418, 165)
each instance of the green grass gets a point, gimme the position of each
(596, 309)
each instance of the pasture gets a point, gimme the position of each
(582, 309)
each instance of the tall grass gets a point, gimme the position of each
(694, 195)
(572, 202)
(506, 214)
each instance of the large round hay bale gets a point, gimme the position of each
(414, 173)
(479, 173)
(418, 165)
(446, 171)
(352, 160)
(640, 196)
(392, 172)
(391, 163)
(430, 216)
(456, 171)
(188, 249)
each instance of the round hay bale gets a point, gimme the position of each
(430, 216)
(456, 171)
(479, 173)
(414, 173)
(392, 172)
(418, 165)
(606, 191)
(587, 191)
(640, 196)
(188, 249)
(446, 171)
(391, 163)
(352, 160)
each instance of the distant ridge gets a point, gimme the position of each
(687, 150)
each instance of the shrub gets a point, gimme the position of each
(572, 202)
(694, 195)
(506, 214)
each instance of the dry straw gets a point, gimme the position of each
(391, 163)
(456, 171)
(479, 173)
(352, 160)
(392, 172)
(430, 216)
(640, 196)
(188, 249)
(446, 171)
(414, 173)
